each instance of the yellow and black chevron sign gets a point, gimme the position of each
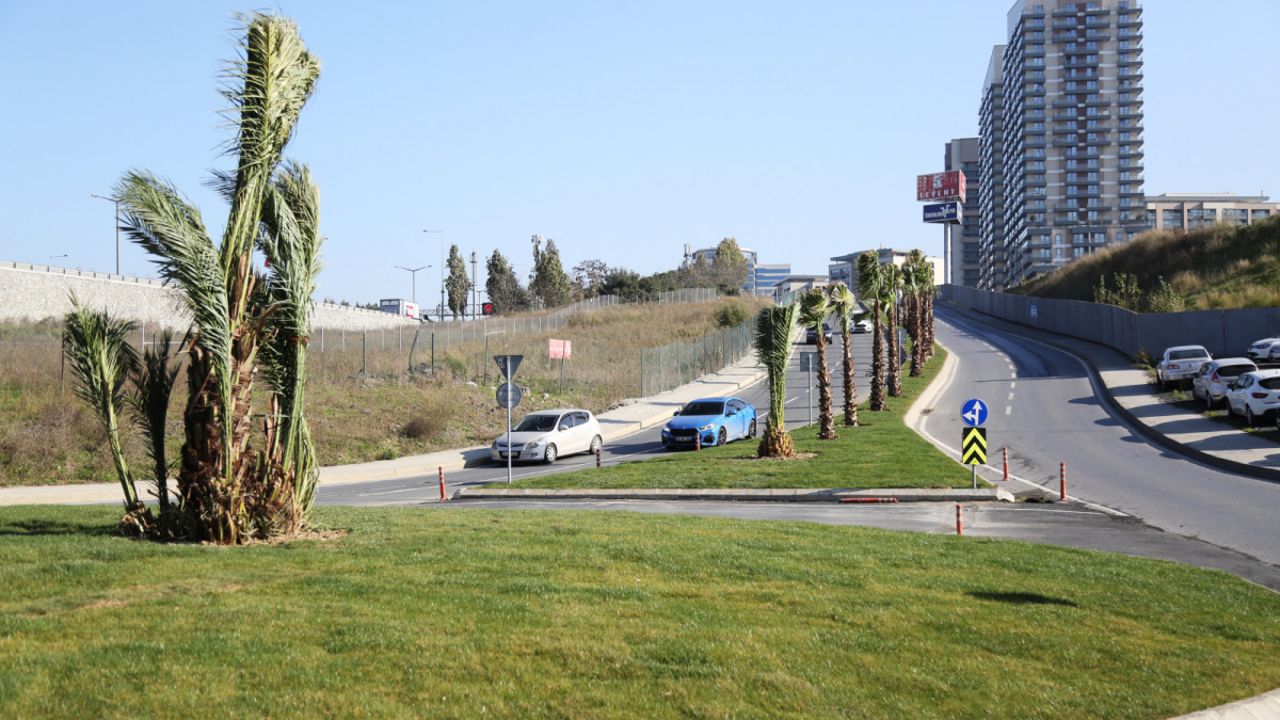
(973, 446)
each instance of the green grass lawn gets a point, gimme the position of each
(469, 612)
(881, 452)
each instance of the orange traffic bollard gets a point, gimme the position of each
(1006, 464)
(697, 441)
(443, 495)
(959, 522)
(1062, 482)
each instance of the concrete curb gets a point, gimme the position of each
(733, 494)
(1103, 391)
(1266, 705)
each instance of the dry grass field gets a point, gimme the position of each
(47, 435)
(1223, 266)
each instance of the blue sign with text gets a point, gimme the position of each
(947, 212)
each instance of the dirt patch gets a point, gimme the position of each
(104, 604)
(797, 456)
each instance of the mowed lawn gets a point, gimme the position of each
(466, 612)
(881, 452)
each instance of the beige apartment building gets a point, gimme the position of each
(1189, 211)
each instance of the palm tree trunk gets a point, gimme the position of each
(894, 374)
(826, 424)
(877, 361)
(850, 389)
(917, 338)
(928, 325)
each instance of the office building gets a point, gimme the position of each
(993, 270)
(788, 287)
(1189, 211)
(844, 268)
(1068, 137)
(767, 276)
(964, 154)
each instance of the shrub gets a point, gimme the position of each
(422, 428)
(731, 314)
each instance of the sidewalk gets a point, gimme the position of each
(633, 416)
(1130, 393)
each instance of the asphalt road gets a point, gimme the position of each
(637, 446)
(1043, 408)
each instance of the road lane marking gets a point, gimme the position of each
(1011, 397)
(1013, 385)
(1008, 409)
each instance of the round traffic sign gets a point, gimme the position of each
(509, 395)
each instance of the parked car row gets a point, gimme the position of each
(1237, 382)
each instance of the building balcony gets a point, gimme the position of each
(1097, 35)
(1036, 50)
(1129, 21)
(1130, 35)
(1083, 63)
(1065, 141)
(1131, 191)
(1134, 61)
(1131, 73)
(1131, 151)
(1065, 37)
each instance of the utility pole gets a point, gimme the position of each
(475, 289)
(115, 201)
(441, 233)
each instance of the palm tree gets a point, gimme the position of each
(224, 489)
(153, 382)
(774, 328)
(871, 286)
(911, 307)
(843, 304)
(893, 373)
(927, 290)
(814, 310)
(101, 361)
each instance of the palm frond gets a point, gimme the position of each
(814, 308)
(843, 304)
(870, 275)
(153, 386)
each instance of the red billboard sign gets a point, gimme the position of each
(941, 186)
(559, 349)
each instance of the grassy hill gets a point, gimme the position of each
(1224, 266)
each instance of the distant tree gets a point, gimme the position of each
(626, 284)
(698, 273)
(892, 281)
(551, 285)
(871, 288)
(503, 287)
(458, 286)
(730, 268)
(843, 305)
(589, 277)
(815, 307)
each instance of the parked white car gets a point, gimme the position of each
(1210, 383)
(1254, 395)
(861, 326)
(1180, 362)
(548, 434)
(1264, 350)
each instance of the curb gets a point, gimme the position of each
(1260, 706)
(827, 495)
(1113, 406)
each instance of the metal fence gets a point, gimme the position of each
(673, 365)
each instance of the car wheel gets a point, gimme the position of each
(1208, 400)
(1248, 417)
(751, 432)
(596, 444)
(551, 455)
(722, 437)
(1160, 380)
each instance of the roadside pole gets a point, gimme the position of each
(508, 395)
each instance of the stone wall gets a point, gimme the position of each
(38, 292)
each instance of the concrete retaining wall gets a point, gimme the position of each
(38, 292)
(1223, 332)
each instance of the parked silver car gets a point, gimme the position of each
(1254, 395)
(1180, 362)
(1210, 383)
(547, 434)
(1264, 350)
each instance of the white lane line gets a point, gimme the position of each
(392, 492)
(1010, 397)
(1008, 409)
(1013, 376)
(791, 400)
(1013, 385)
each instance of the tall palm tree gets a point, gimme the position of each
(774, 328)
(220, 482)
(927, 291)
(871, 287)
(814, 310)
(843, 304)
(893, 372)
(911, 307)
(101, 361)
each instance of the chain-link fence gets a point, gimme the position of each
(669, 366)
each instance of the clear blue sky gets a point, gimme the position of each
(621, 129)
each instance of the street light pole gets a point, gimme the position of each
(413, 273)
(116, 202)
(441, 233)
(52, 257)
(475, 289)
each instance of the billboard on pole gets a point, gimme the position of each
(947, 212)
(941, 186)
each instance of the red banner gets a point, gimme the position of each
(559, 349)
(941, 186)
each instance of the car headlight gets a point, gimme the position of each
(532, 445)
(708, 426)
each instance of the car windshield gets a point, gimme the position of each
(537, 423)
(1188, 354)
(703, 408)
(1271, 383)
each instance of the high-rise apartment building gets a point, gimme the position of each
(993, 270)
(1069, 137)
(963, 154)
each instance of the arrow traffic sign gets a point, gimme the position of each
(508, 364)
(974, 412)
(973, 446)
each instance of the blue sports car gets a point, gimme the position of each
(716, 420)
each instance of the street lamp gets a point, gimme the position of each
(475, 289)
(54, 257)
(441, 232)
(413, 273)
(116, 201)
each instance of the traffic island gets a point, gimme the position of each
(816, 495)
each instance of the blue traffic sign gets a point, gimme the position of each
(974, 412)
